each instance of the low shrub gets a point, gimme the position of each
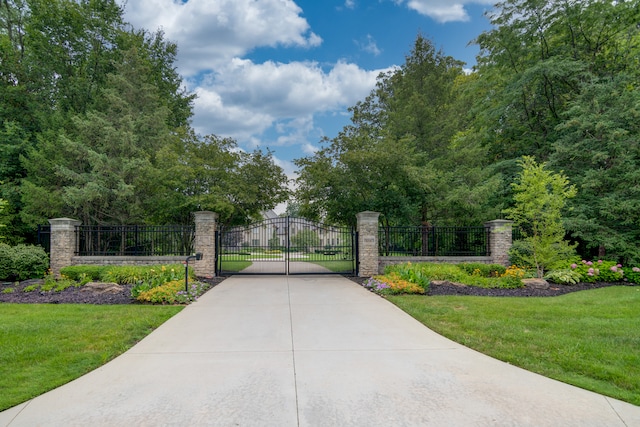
(564, 276)
(594, 271)
(409, 272)
(392, 284)
(6, 261)
(22, 262)
(631, 275)
(84, 273)
(598, 271)
(480, 275)
(172, 293)
(150, 277)
(130, 274)
(31, 288)
(483, 270)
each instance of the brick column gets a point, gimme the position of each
(367, 243)
(500, 240)
(205, 243)
(63, 243)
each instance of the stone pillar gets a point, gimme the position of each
(205, 243)
(63, 243)
(500, 240)
(367, 243)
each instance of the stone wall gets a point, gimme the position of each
(370, 263)
(63, 248)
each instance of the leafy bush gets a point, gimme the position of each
(598, 271)
(484, 270)
(564, 276)
(84, 273)
(157, 274)
(423, 274)
(150, 277)
(6, 261)
(632, 274)
(172, 293)
(409, 272)
(22, 262)
(144, 278)
(30, 261)
(594, 271)
(393, 284)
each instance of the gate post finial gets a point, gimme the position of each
(368, 264)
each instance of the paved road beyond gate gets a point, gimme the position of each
(286, 245)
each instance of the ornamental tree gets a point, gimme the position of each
(540, 196)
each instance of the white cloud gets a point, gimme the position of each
(369, 45)
(210, 32)
(443, 10)
(244, 98)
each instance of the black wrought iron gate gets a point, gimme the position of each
(286, 245)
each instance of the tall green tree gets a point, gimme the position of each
(599, 147)
(399, 154)
(71, 47)
(535, 61)
(540, 196)
(212, 173)
(98, 171)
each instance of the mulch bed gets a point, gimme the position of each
(77, 296)
(73, 295)
(552, 291)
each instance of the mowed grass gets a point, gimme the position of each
(43, 346)
(590, 339)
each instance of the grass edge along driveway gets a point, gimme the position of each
(44, 346)
(589, 339)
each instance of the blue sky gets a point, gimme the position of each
(280, 74)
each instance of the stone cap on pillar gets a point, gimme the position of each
(498, 223)
(205, 216)
(368, 216)
(64, 223)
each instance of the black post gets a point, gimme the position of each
(197, 257)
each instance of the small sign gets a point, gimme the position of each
(369, 239)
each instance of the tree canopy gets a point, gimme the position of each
(432, 144)
(95, 125)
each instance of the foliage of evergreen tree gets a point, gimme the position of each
(599, 146)
(559, 80)
(93, 114)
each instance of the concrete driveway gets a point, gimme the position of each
(309, 351)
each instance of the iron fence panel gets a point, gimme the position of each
(135, 240)
(434, 241)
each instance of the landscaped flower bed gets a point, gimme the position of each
(497, 280)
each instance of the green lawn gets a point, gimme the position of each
(590, 339)
(44, 346)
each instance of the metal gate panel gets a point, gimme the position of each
(286, 245)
